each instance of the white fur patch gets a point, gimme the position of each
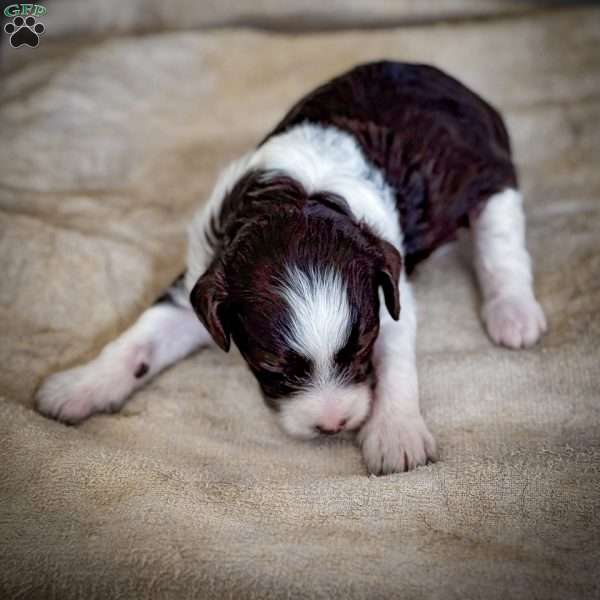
(510, 311)
(330, 160)
(320, 317)
(163, 335)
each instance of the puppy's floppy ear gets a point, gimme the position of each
(389, 278)
(209, 300)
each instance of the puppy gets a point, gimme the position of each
(301, 257)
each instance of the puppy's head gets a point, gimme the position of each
(297, 289)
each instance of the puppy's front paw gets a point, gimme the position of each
(73, 395)
(514, 321)
(393, 445)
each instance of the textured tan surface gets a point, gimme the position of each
(77, 17)
(192, 491)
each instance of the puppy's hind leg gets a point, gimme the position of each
(510, 311)
(165, 333)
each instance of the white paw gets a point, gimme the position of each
(395, 445)
(73, 395)
(514, 321)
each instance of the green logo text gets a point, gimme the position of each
(14, 10)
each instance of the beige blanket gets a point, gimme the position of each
(106, 149)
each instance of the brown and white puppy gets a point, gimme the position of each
(302, 252)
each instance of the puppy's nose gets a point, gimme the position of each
(328, 430)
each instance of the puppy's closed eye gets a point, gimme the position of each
(358, 347)
(273, 367)
(291, 369)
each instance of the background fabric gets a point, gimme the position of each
(108, 143)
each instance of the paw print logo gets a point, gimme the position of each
(24, 31)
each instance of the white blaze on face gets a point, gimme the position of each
(319, 327)
(320, 317)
